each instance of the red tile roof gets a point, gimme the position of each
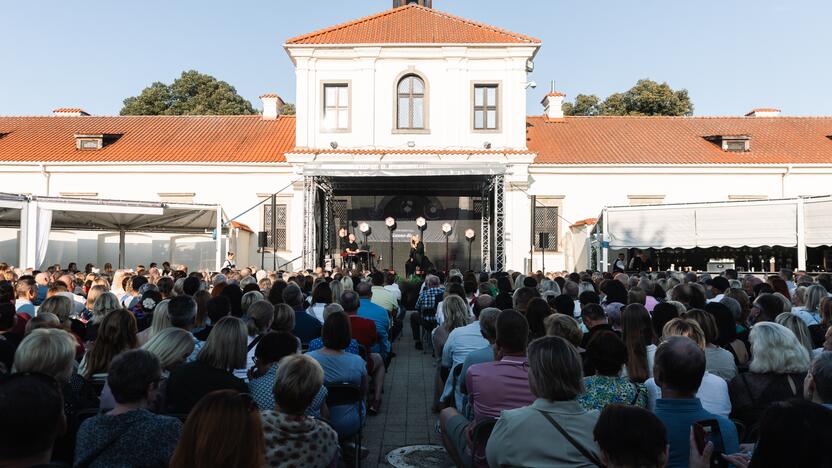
(412, 24)
(585, 222)
(678, 140)
(242, 138)
(64, 110)
(402, 151)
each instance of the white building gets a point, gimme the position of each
(410, 112)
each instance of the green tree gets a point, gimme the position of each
(584, 105)
(648, 98)
(193, 93)
(287, 109)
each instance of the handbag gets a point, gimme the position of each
(586, 453)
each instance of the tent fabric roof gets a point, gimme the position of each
(240, 138)
(412, 24)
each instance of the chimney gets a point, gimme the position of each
(271, 105)
(70, 112)
(553, 105)
(764, 112)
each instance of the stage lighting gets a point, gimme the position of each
(420, 221)
(364, 227)
(470, 234)
(411, 144)
(333, 144)
(446, 228)
(487, 145)
(390, 222)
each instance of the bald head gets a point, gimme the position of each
(69, 281)
(679, 365)
(42, 279)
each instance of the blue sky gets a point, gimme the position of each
(731, 55)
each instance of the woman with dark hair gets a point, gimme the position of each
(663, 313)
(637, 333)
(564, 304)
(727, 331)
(536, 312)
(779, 285)
(504, 298)
(321, 297)
(614, 291)
(224, 429)
(276, 292)
(116, 335)
(341, 367)
(235, 299)
(607, 354)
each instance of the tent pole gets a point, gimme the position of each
(218, 255)
(605, 241)
(122, 235)
(801, 235)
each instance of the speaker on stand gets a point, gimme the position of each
(262, 242)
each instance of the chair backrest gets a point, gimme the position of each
(343, 394)
(479, 439)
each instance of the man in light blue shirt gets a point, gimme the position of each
(461, 342)
(26, 292)
(377, 314)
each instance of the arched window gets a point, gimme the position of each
(411, 103)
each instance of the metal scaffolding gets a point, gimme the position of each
(499, 222)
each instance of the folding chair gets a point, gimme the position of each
(479, 439)
(348, 394)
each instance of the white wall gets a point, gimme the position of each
(449, 73)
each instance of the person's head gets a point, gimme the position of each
(351, 237)
(284, 318)
(706, 322)
(564, 304)
(813, 296)
(223, 429)
(322, 293)
(555, 371)
(26, 289)
(679, 366)
(766, 308)
(591, 315)
(663, 313)
(274, 346)
(488, 323)
(522, 297)
(259, 317)
(182, 311)
(775, 349)
(636, 295)
(685, 327)
(61, 306)
(336, 332)
(133, 375)
(536, 313)
(565, 327)
(226, 346)
(589, 297)
(798, 327)
(350, 302)
(482, 302)
(298, 381)
(818, 383)
(512, 332)
(622, 447)
(718, 284)
(47, 351)
(364, 290)
(116, 334)
(172, 346)
(786, 425)
(33, 417)
(42, 320)
(217, 308)
(607, 353)
(293, 296)
(230, 255)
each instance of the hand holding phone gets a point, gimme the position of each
(708, 430)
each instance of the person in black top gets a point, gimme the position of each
(417, 259)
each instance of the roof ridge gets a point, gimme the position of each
(412, 6)
(689, 117)
(90, 117)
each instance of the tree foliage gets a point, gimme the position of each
(287, 109)
(647, 97)
(193, 93)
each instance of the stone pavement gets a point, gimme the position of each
(405, 417)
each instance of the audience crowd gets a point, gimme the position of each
(161, 366)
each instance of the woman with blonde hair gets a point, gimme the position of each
(456, 314)
(346, 282)
(810, 312)
(49, 351)
(337, 288)
(161, 321)
(213, 369)
(798, 327)
(778, 366)
(93, 294)
(250, 298)
(284, 318)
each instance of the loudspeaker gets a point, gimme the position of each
(262, 239)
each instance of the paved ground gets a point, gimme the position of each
(405, 417)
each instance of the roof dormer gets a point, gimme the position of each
(70, 112)
(732, 143)
(86, 141)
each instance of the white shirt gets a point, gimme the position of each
(394, 288)
(79, 302)
(462, 341)
(713, 393)
(651, 358)
(317, 311)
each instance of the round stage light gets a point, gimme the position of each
(364, 227)
(446, 228)
(390, 222)
(470, 234)
(420, 221)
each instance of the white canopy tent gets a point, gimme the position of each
(37, 216)
(794, 222)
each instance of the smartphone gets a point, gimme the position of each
(706, 431)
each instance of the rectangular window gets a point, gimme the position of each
(336, 106)
(544, 224)
(275, 239)
(485, 106)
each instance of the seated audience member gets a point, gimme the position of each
(182, 313)
(33, 418)
(272, 348)
(321, 297)
(224, 351)
(341, 367)
(488, 330)
(607, 354)
(818, 384)
(26, 291)
(595, 320)
(216, 308)
(718, 361)
(776, 372)
(259, 318)
(663, 313)
(679, 367)
(535, 435)
(622, 446)
(129, 434)
(799, 328)
(378, 315)
(810, 312)
(429, 298)
(765, 309)
(383, 297)
(223, 430)
(724, 314)
(314, 443)
(456, 314)
(713, 391)
(637, 334)
(307, 327)
(116, 335)
(565, 327)
(536, 313)
(491, 386)
(284, 319)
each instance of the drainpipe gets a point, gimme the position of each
(783, 181)
(46, 176)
